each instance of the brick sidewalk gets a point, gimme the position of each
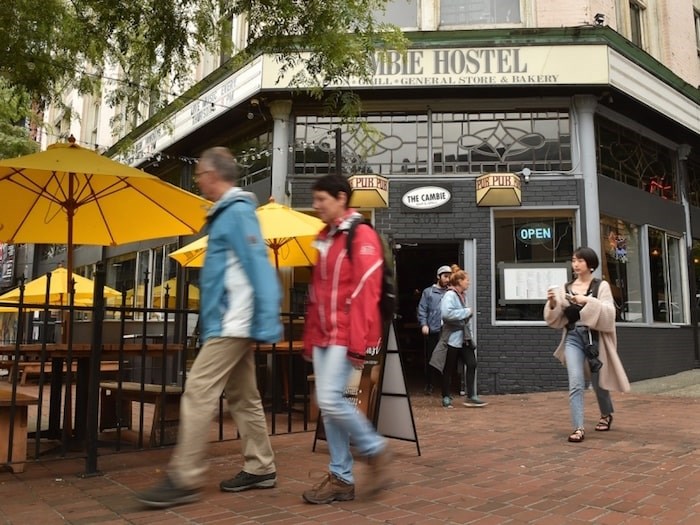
(506, 463)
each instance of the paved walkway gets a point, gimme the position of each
(507, 463)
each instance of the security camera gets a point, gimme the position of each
(254, 102)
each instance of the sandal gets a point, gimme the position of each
(577, 436)
(604, 423)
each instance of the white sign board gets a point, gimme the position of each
(528, 282)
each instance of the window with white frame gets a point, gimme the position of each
(532, 250)
(402, 13)
(479, 12)
(666, 271)
(621, 267)
(696, 16)
(637, 18)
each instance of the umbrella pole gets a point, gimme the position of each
(70, 212)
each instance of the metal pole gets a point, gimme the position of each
(98, 313)
(338, 151)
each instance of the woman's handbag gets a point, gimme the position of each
(437, 360)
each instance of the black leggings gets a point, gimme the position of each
(467, 356)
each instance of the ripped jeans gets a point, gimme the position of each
(574, 344)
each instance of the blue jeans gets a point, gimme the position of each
(575, 361)
(341, 420)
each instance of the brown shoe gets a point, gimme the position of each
(331, 488)
(378, 477)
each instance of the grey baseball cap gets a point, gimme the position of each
(443, 269)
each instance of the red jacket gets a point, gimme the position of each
(344, 295)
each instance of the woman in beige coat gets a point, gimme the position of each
(581, 317)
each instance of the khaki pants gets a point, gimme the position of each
(223, 364)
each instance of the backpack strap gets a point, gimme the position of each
(351, 235)
(593, 287)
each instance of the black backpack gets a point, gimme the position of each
(387, 302)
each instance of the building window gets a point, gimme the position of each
(666, 274)
(535, 260)
(479, 12)
(696, 16)
(693, 169)
(637, 11)
(381, 144)
(255, 157)
(461, 143)
(485, 142)
(620, 265)
(633, 159)
(402, 13)
(696, 267)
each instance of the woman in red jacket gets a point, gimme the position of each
(342, 324)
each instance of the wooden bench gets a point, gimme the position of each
(19, 432)
(112, 417)
(33, 368)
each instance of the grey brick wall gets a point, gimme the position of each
(514, 359)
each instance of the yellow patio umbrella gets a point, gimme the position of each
(72, 195)
(159, 294)
(35, 291)
(288, 233)
(192, 255)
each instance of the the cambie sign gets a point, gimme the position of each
(428, 198)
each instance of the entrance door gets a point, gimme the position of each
(416, 267)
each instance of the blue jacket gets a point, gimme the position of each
(455, 315)
(239, 290)
(429, 308)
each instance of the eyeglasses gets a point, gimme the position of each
(197, 175)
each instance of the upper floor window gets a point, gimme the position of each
(627, 156)
(479, 12)
(402, 13)
(696, 15)
(637, 13)
(436, 143)
(508, 141)
(693, 169)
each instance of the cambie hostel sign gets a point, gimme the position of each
(478, 66)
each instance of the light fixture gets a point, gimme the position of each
(599, 19)
(525, 172)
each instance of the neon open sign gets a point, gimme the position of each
(535, 233)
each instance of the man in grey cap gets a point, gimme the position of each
(430, 319)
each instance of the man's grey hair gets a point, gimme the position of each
(225, 164)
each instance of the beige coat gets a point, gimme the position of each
(598, 314)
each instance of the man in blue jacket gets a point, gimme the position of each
(430, 319)
(240, 303)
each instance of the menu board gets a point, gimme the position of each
(528, 282)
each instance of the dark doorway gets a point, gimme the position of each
(416, 267)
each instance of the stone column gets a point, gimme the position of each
(281, 135)
(584, 106)
(280, 111)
